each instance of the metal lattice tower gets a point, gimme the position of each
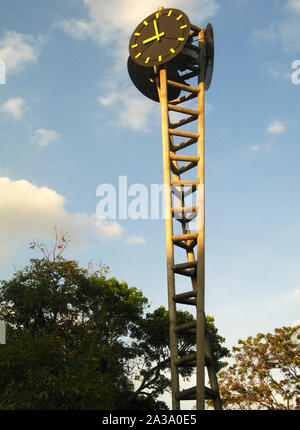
(183, 144)
(176, 190)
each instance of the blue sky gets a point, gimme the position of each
(71, 120)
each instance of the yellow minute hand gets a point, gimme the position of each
(156, 29)
(154, 37)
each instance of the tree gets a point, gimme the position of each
(79, 340)
(66, 331)
(152, 363)
(265, 372)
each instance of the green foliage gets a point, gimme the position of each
(79, 340)
(153, 352)
(58, 295)
(219, 351)
(41, 373)
(65, 338)
(265, 372)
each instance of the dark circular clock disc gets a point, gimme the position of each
(210, 50)
(159, 38)
(145, 81)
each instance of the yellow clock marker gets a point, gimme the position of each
(158, 39)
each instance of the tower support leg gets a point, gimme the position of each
(193, 267)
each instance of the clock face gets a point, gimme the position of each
(145, 80)
(159, 38)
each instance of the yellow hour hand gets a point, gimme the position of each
(153, 38)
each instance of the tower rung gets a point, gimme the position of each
(195, 28)
(190, 394)
(184, 210)
(183, 188)
(188, 265)
(182, 245)
(185, 219)
(188, 272)
(187, 247)
(181, 192)
(190, 302)
(183, 169)
(189, 360)
(184, 158)
(183, 133)
(183, 110)
(193, 68)
(182, 122)
(188, 328)
(186, 295)
(190, 74)
(183, 99)
(194, 32)
(183, 87)
(187, 364)
(183, 145)
(193, 48)
(186, 359)
(185, 183)
(187, 236)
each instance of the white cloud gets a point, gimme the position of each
(208, 106)
(297, 293)
(283, 32)
(28, 211)
(137, 240)
(266, 146)
(110, 24)
(135, 113)
(14, 107)
(254, 148)
(43, 137)
(113, 20)
(16, 50)
(278, 70)
(78, 29)
(293, 5)
(130, 108)
(276, 127)
(109, 99)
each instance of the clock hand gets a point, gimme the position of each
(154, 37)
(156, 29)
(172, 38)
